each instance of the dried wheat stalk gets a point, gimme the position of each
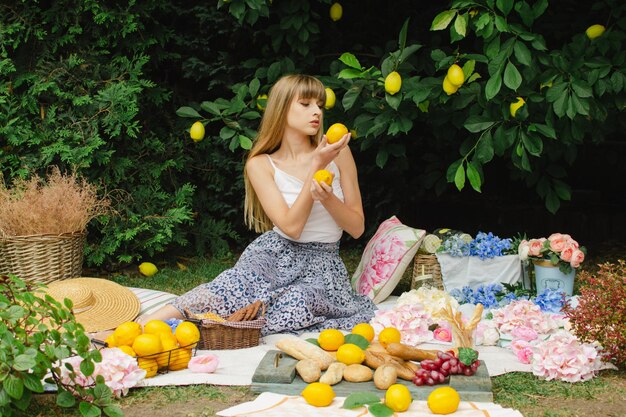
(462, 333)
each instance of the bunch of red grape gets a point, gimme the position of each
(435, 371)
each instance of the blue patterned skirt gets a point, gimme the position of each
(305, 287)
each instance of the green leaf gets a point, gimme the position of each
(350, 97)
(210, 107)
(459, 177)
(460, 24)
(87, 367)
(467, 355)
(349, 73)
(227, 133)
(65, 399)
(359, 399)
(484, 149)
(357, 339)
(501, 24)
(254, 86)
(468, 68)
(245, 142)
(313, 341)
(545, 130)
(251, 115)
(380, 410)
(512, 77)
(113, 411)
(560, 105)
(532, 143)
(394, 101)
(505, 6)
(89, 410)
(474, 177)
(24, 362)
(582, 89)
(493, 86)
(188, 112)
(522, 53)
(33, 383)
(14, 386)
(402, 36)
(443, 19)
(581, 105)
(553, 203)
(381, 157)
(351, 61)
(478, 123)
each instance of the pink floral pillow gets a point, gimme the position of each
(385, 258)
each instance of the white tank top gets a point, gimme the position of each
(320, 227)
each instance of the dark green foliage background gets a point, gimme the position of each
(94, 86)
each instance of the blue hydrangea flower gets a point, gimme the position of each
(487, 246)
(173, 323)
(550, 301)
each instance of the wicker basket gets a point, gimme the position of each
(43, 258)
(426, 272)
(219, 335)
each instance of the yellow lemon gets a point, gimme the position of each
(149, 365)
(169, 343)
(389, 335)
(443, 400)
(336, 132)
(514, 107)
(393, 83)
(318, 394)
(336, 11)
(448, 87)
(398, 398)
(111, 341)
(128, 350)
(179, 359)
(595, 31)
(147, 344)
(148, 269)
(187, 334)
(455, 75)
(126, 333)
(365, 330)
(330, 99)
(330, 339)
(326, 176)
(350, 354)
(197, 131)
(261, 101)
(157, 326)
(353, 134)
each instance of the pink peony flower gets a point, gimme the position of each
(203, 364)
(535, 246)
(558, 242)
(442, 334)
(411, 320)
(566, 254)
(577, 258)
(524, 333)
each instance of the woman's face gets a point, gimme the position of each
(305, 116)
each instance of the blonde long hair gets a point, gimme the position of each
(270, 135)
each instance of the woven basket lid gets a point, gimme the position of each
(99, 304)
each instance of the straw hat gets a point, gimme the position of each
(99, 304)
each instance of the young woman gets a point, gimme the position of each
(294, 266)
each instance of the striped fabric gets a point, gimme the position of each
(152, 300)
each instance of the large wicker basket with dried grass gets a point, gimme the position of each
(43, 226)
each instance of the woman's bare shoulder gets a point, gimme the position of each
(258, 163)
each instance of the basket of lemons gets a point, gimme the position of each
(157, 348)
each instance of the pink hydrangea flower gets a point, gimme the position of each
(523, 313)
(525, 355)
(524, 333)
(411, 320)
(565, 358)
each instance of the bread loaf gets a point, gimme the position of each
(301, 349)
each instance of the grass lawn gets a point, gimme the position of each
(602, 396)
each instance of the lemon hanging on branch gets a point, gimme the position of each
(514, 107)
(393, 83)
(336, 11)
(197, 131)
(330, 99)
(448, 87)
(595, 31)
(261, 102)
(455, 75)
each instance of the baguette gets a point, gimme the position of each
(410, 353)
(301, 349)
(376, 359)
(334, 374)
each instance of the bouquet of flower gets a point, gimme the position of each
(559, 249)
(484, 246)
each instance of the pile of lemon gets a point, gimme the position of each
(156, 346)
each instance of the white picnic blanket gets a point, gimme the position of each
(278, 405)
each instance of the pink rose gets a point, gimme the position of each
(577, 258)
(566, 254)
(525, 355)
(558, 242)
(203, 364)
(535, 246)
(524, 333)
(442, 334)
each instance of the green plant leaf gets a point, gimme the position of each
(87, 367)
(582, 89)
(349, 73)
(545, 130)
(505, 6)
(532, 143)
(380, 410)
(512, 77)
(478, 123)
(460, 24)
(522, 53)
(468, 69)
(89, 410)
(484, 149)
(359, 399)
(33, 383)
(357, 339)
(351, 61)
(350, 97)
(442, 20)
(65, 399)
(459, 177)
(467, 355)
(394, 101)
(501, 24)
(188, 112)
(381, 157)
(313, 341)
(14, 386)
(24, 362)
(402, 35)
(493, 86)
(254, 86)
(245, 142)
(210, 107)
(113, 411)
(474, 177)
